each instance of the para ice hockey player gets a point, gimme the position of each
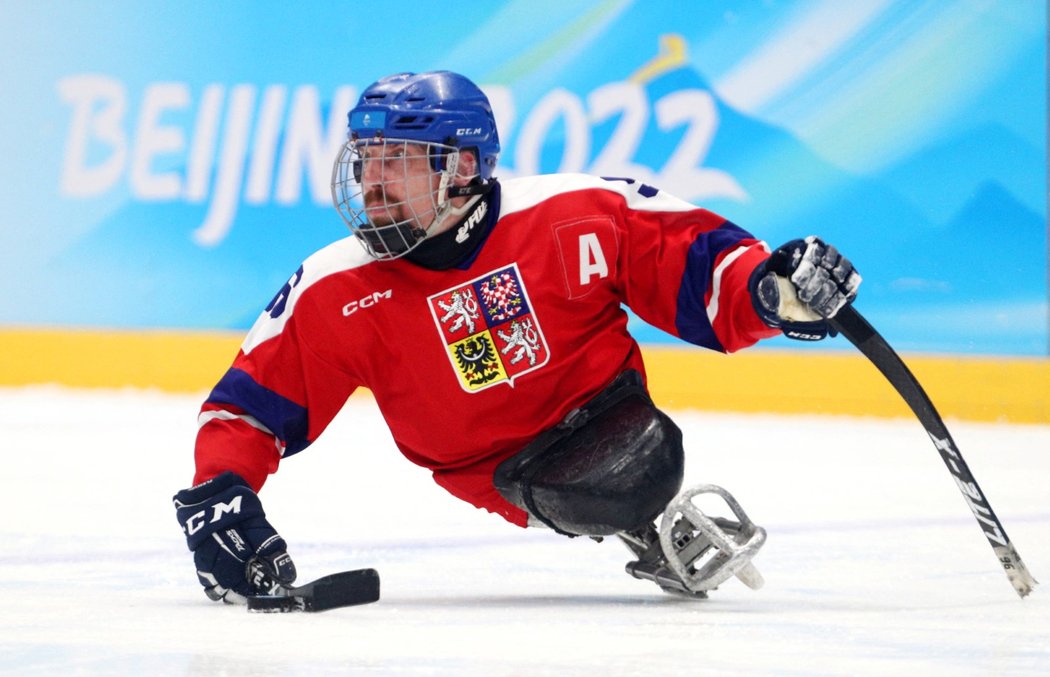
(511, 293)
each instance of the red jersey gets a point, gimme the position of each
(469, 364)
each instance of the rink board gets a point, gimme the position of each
(757, 380)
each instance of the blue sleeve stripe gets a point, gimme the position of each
(284, 418)
(691, 320)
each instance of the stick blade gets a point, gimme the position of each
(1024, 584)
(346, 588)
(1022, 580)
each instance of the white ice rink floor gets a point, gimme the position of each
(874, 564)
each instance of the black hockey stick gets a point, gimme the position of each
(346, 588)
(854, 327)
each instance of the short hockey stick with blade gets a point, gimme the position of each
(346, 588)
(860, 333)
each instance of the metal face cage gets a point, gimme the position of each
(392, 192)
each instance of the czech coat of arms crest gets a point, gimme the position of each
(490, 332)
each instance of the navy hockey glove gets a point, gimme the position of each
(801, 286)
(236, 551)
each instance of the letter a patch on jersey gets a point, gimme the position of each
(489, 330)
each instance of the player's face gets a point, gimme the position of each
(398, 184)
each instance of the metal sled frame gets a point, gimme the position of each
(734, 550)
(692, 553)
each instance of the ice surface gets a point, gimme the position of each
(874, 564)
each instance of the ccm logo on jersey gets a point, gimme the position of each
(196, 520)
(366, 302)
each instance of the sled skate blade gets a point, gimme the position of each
(651, 564)
(703, 551)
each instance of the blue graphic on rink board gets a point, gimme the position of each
(180, 182)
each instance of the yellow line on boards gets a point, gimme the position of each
(973, 388)
(1011, 389)
(169, 360)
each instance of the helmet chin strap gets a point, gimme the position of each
(474, 191)
(475, 188)
(447, 192)
(455, 214)
(451, 161)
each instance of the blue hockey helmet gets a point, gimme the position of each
(438, 116)
(439, 107)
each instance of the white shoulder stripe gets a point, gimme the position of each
(523, 193)
(716, 282)
(207, 417)
(341, 255)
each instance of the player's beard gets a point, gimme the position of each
(378, 210)
(389, 232)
